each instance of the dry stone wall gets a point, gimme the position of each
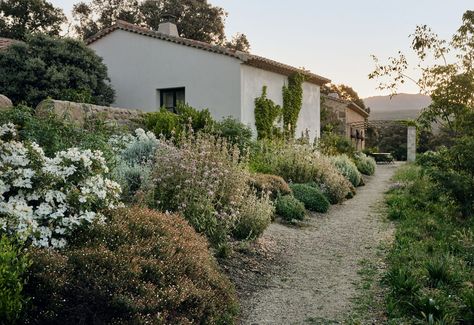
(81, 113)
(5, 102)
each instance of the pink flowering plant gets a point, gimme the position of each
(44, 199)
(205, 179)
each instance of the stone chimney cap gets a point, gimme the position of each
(168, 18)
(168, 25)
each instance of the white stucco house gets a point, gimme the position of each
(152, 69)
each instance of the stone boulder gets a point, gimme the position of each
(5, 103)
(81, 113)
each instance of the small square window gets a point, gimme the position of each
(169, 98)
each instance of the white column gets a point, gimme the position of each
(411, 143)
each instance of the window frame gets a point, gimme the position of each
(174, 91)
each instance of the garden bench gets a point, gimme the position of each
(383, 158)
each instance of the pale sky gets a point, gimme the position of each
(335, 38)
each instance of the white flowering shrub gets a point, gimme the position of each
(43, 199)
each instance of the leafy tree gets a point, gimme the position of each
(19, 18)
(62, 69)
(449, 83)
(345, 92)
(195, 19)
(239, 43)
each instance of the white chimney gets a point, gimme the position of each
(168, 25)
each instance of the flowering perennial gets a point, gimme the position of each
(44, 199)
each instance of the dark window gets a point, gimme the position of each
(169, 98)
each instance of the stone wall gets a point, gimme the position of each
(411, 143)
(80, 113)
(5, 102)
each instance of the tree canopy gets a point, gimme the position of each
(20, 18)
(64, 69)
(345, 92)
(449, 81)
(195, 19)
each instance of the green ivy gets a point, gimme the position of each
(266, 113)
(292, 103)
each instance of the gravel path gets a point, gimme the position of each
(316, 282)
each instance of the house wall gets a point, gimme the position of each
(352, 117)
(252, 82)
(139, 65)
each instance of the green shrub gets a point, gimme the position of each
(289, 208)
(171, 124)
(234, 132)
(453, 171)
(311, 197)
(300, 163)
(272, 184)
(163, 123)
(54, 134)
(333, 144)
(365, 164)
(13, 266)
(133, 170)
(254, 218)
(430, 263)
(142, 267)
(347, 168)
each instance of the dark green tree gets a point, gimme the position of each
(62, 69)
(19, 18)
(195, 19)
(239, 43)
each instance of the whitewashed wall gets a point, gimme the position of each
(139, 65)
(253, 79)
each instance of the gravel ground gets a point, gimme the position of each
(314, 270)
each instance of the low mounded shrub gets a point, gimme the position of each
(234, 132)
(365, 164)
(347, 168)
(311, 197)
(255, 216)
(163, 123)
(13, 266)
(300, 163)
(134, 162)
(289, 208)
(272, 184)
(142, 267)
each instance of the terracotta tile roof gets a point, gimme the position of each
(6, 42)
(249, 59)
(349, 104)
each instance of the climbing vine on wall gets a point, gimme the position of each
(266, 114)
(292, 103)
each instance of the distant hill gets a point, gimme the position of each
(399, 107)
